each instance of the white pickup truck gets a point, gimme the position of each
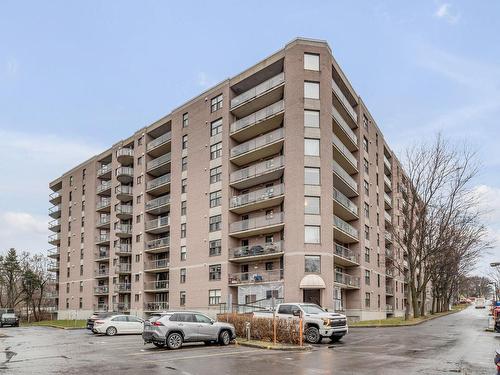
(318, 323)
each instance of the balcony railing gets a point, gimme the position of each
(158, 161)
(345, 151)
(258, 169)
(258, 142)
(53, 252)
(346, 128)
(125, 171)
(123, 248)
(162, 180)
(104, 202)
(157, 223)
(257, 195)
(345, 253)
(387, 217)
(156, 285)
(54, 195)
(159, 141)
(124, 189)
(159, 242)
(102, 237)
(104, 220)
(345, 227)
(340, 95)
(256, 250)
(155, 306)
(124, 267)
(158, 202)
(125, 151)
(54, 223)
(387, 199)
(100, 307)
(123, 287)
(388, 236)
(101, 289)
(102, 255)
(389, 253)
(345, 279)
(121, 306)
(53, 265)
(257, 222)
(103, 186)
(345, 202)
(345, 176)
(157, 264)
(103, 272)
(389, 272)
(389, 289)
(387, 180)
(55, 237)
(258, 116)
(123, 228)
(258, 90)
(54, 209)
(106, 168)
(255, 277)
(126, 209)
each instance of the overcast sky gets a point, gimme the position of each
(74, 79)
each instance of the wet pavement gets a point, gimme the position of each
(455, 344)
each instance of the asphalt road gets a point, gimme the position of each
(455, 344)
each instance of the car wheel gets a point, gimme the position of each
(174, 340)
(312, 335)
(111, 331)
(159, 344)
(224, 338)
(335, 338)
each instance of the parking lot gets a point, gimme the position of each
(453, 344)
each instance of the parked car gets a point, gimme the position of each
(176, 327)
(318, 323)
(9, 319)
(118, 324)
(480, 303)
(95, 316)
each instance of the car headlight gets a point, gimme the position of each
(326, 321)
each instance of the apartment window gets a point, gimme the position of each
(138, 199)
(367, 277)
(367, 254)
(367, 210)
(67, 287)
(311, 90)
(182, 298)
(215, 127)
(216, 151)
(139, 160)
(214, 272)
(183, 253)
(216, 103)
(70, 181)
(378, 280)
(367, 300)
(378, 239)
(139, 180)
(81, 253)
(215, 174)
(312, 234)
(70, 196)
(69, 211)
(138, 238)
(378, 301)
(269, 266)
(68, 272)
(215, 223)
(183, 208)
(182, 275)
(378, 260)
(137, 277)
(311, 147)
(376, 139)
(365, 144)
(81, 286)
(82, 237)
(184, 164)
(214, 296)
(366, 166)
(80, 302)
(311, 61)
(311, 176)
(215, 198)
(84, 174)
(138, 219)
(137, 258)
(214, 248)
(184, 141)
(67, 303)
(136, 298)
(185, 120)
(367, 232)
(183, 230)
(378, 219)
(183, 185)
(312, 263)
(312, 205)
(83, 189)
(365, 122)
(311, 119)
(139, 140)
(366, 186)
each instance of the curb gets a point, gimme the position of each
(432, 317)
(272, 347)
(54, 326)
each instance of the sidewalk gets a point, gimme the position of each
(271, 346)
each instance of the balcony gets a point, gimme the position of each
(388, 237)
(123, 288)
(344, 256)
(104, 171)
(344, 232)
(125, 155)
(55, 197)
(343, 181)
(101, 289)
(158, 245)
(343, 131)
(123, 249)
(343, 207)
(258, 148)
(346, 281)
(101, 273)
(343, 156)
(156, 286)
(389, 308)
(124, 211)
(159, 225)
(53, 253)
(160, 145)
(387, 201)
(123, 230)
(257, 200)
(55, 212)
(344, 102)
(55, 239)
(53, 266)
(257, 225)
(259, 122)
(125, 175)
(121, 307)
(388, 217)
(158, 205)
(259, 96)
(102, 255)
(102, 238)
(387, 166)
(254, 277)
(155, 306)
(389, 254)
(123, 268)
(264, 251)
(159, 166)
(104, 188)
(259, 173)
(159, 186)
(100, 307)
(124, 193)
(103, 221)
(389, 290)
(55, 225)
(387, 183)
(157, 265)
(103, 205)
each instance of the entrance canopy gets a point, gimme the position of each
(312, 282)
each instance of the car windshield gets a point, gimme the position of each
(9, 316)
(312, 309)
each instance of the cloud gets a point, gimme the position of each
(23, 231)
(445, 12)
